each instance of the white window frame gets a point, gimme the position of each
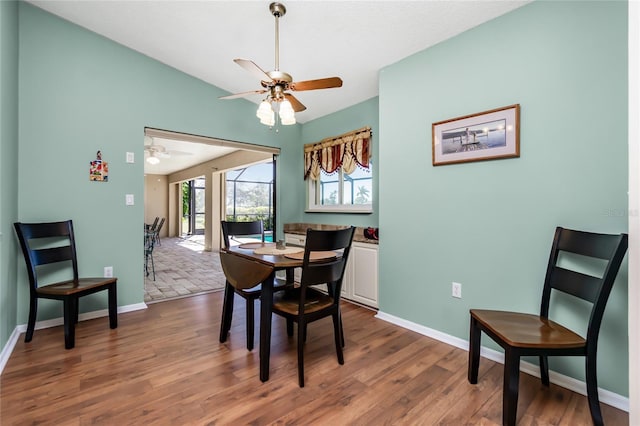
(313, 199)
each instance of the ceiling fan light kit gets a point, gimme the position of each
(152, 159)
(275, 84)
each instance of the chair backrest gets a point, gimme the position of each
(331, 271)
(567, 272)
(46, 243)
(149, 241)
(160, 226)
(154, 224)
(237, 229)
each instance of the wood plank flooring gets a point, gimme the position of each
(165, 366)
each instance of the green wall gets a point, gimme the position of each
(80, 93)
(8, 164)
(352, 118)
(489, 225)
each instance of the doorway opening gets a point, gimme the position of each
(189, 187)
(193, 207)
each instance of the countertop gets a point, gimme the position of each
(301, 229)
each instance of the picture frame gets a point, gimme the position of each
(487, 135)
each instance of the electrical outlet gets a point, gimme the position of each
(456, 290)
(108, 271)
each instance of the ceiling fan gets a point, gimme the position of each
(154, 152)
(276, 83)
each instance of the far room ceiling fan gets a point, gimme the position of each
(276, 83)
(154, 152)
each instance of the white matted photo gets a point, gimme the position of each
(486, 135)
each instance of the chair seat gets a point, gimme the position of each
(254, 292)
(71, 286)
(526, 330)
(288, 301)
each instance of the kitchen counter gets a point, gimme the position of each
(301, 229)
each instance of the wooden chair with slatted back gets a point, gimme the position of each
(54, 243)
(306, 304)
(248, 292)
(521, 334)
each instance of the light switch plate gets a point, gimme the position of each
(130, 157)
(128, 199)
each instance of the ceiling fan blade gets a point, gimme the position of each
(321, 83)
(171, 152)
(295, 104)
(243, 94)
(253, 69)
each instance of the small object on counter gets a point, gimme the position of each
(281, 245)
(371, 233)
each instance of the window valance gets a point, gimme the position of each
(348, 151)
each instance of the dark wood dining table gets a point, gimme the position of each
(276, 263)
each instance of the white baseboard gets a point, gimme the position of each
(606, 397)
(21, 328)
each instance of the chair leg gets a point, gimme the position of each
(341, 329)
(70, 308)
(153, 267)
(337, 332)
(31, 325)
(113, 306)
(76, 311)
(544, 370)
(510, 387)
(592, 389)
(302, 326)
(227, 312)
(289, 327)
(250, 323)
(474, 352)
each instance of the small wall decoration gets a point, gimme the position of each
(98, 169)
(486, 135)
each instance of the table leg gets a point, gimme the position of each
(266, 302)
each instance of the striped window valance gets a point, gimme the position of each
(346, 151)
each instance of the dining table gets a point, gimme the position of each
(277, 260)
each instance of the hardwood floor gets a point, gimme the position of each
(164, 365)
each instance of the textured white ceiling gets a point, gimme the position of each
(349, 39)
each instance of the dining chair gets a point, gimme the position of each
(149, 244)
(250, 291)
(571, 271)
(306, 304)
(158, 229)
(44, 244)
(154, 224)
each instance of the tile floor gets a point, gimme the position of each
(183, 269)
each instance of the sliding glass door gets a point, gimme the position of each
(193, 207)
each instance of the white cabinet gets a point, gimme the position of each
(360, 282)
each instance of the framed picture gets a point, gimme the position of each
(488, 135)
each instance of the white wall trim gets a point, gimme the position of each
(634, 212)
(607, 397)
(21, 328)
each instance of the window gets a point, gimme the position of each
(250, 195)
(339, 192)
(339, 173)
